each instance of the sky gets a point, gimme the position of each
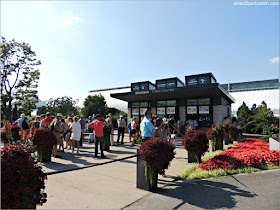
(89, 45)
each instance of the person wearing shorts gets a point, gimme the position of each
(133, 130)
(76, 134)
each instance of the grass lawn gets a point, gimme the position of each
(195, 172)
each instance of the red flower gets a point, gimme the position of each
(248, 152)
(195, 141)
(157, 153)
(16, 164)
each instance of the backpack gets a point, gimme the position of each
(24, 125)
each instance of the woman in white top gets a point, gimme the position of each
(76, 134)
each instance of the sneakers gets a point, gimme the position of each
(78, 152)
(72, 152)
(103, 156)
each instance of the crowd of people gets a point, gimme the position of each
(70, 132)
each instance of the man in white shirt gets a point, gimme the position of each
(121, 126)
(20, 121)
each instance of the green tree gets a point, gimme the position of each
(254, 109)
(243, 112)
(19, 77)
(64, 105)
(95, 104)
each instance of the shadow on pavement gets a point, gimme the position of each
(205, 194)
(59, 166)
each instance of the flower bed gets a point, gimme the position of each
(22, 180)
(247, 153)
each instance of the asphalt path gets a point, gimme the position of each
(259, 190)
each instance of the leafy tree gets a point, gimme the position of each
(19, 77)
(254, 109)
(243, 112)
(95, 104)
(64, 105)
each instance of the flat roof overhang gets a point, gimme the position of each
(176, 93)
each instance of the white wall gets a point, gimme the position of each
(182, 114)
(219, 112)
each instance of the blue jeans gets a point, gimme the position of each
(98, 139)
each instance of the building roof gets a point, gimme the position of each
(191, 91)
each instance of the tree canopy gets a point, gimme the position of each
(64, 105)
(19, 77)
(95, 104)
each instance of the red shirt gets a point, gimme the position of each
(46, 122)
(98, 126)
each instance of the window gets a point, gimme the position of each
(144, 104)
(204, 101)
(171, 103)
(192, 102)
(161, 103)
(135, 105)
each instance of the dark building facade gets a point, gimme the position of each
(200, 96)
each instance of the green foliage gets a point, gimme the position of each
(64, 105)
(194, 172)
(95, 104)
(258, 120)
(19, 77)
(265, 139)
(243, 112)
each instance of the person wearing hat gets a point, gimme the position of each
(110, 121)
(22, 122)
(98, 132)
(121, 126)
(56, 129)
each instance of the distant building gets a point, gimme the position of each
(250, 92)
(255, 93)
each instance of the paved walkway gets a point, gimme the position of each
(244, 191)
(111, 184)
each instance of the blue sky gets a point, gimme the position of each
(88, 45)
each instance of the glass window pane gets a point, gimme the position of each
(144, 104)
(171, 103)
(192, 102)
(161, 103)
(204, 101)
(135, 104)
(170, 110)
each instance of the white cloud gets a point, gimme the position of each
(274, 60)
(69, 18)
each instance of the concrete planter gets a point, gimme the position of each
(44, 156)
(219, 142)
(274, 143)
(191, 158)
(227, 140)
(141, 181)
